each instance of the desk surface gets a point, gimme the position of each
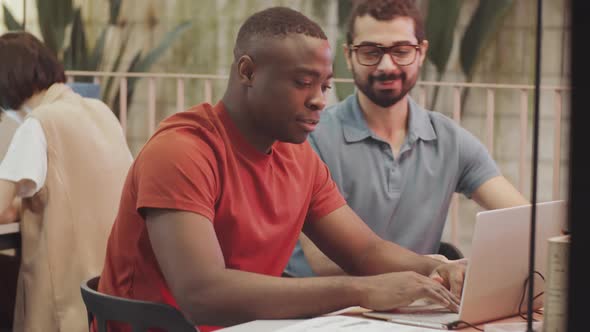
(10, 228)
(9, 236)
(273, 325)
(262, 325)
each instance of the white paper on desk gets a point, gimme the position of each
(349, 324)
(420, 305)
(356, 310)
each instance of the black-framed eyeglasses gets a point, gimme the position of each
(371, 55)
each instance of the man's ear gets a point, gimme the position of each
(347, 55)
(423, 51)
(246, 70)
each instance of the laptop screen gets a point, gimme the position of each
(499, 260)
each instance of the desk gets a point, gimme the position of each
(273, 325)
(261, 325)
(10, 236)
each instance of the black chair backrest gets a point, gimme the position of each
(141, 315)
(450, 251)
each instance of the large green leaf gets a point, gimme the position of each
(76, 55)
(320, 8)
(130, 87)
(98, 50)
(54, 17)
(344, 8)
(119, 56)
(342, 90)
(9, 20)
(114, 10)
(132, 80)
(142, 64)
(480, 31)
(341, 70)
(97, 54)
(152, 56)
(441, 21)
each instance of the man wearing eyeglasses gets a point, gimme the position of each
(396, 163)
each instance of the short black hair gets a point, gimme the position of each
(27, 66)
(385, 10)
(275, 22)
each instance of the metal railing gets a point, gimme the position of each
(491, 89)
(525, 91)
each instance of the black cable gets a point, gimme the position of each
(520, 312)
(459, 322)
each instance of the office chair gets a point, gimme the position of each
(140, 315)
(450, 251)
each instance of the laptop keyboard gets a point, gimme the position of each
(434, 317)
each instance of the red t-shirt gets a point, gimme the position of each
(198, 161)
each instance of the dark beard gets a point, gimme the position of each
(385, 99)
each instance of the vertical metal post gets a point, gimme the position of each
(531, 284)
(524, 97)
(557, 145)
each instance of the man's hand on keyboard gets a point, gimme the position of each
(393, 290)
(451, 275)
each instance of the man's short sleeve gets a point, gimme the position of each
(177, 172)
(476, 166)
(325, 197)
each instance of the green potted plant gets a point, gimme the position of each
(56, 16)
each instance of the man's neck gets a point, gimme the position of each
(243, 124)
(389, 123)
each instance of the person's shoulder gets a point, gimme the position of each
(51, 110)
(66, 104)
(329, 115)
(448, 130)
(197, 125)
(442, 123)
(438, 118)
(330, 121)
(96, 104)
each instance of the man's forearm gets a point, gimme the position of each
(372, 262)
(7, 195)
(320, 264)
(12, 213)
(385, 256)
(233, 296)
(230, 296)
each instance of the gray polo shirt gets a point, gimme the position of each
(404, 199)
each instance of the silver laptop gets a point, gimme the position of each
(497, 269)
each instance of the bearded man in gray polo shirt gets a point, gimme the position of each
(396, 163)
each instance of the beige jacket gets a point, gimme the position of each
(65, 226)
(7, 128)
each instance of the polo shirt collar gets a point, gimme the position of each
(353, 121)
(420, 125)
(355, 126)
